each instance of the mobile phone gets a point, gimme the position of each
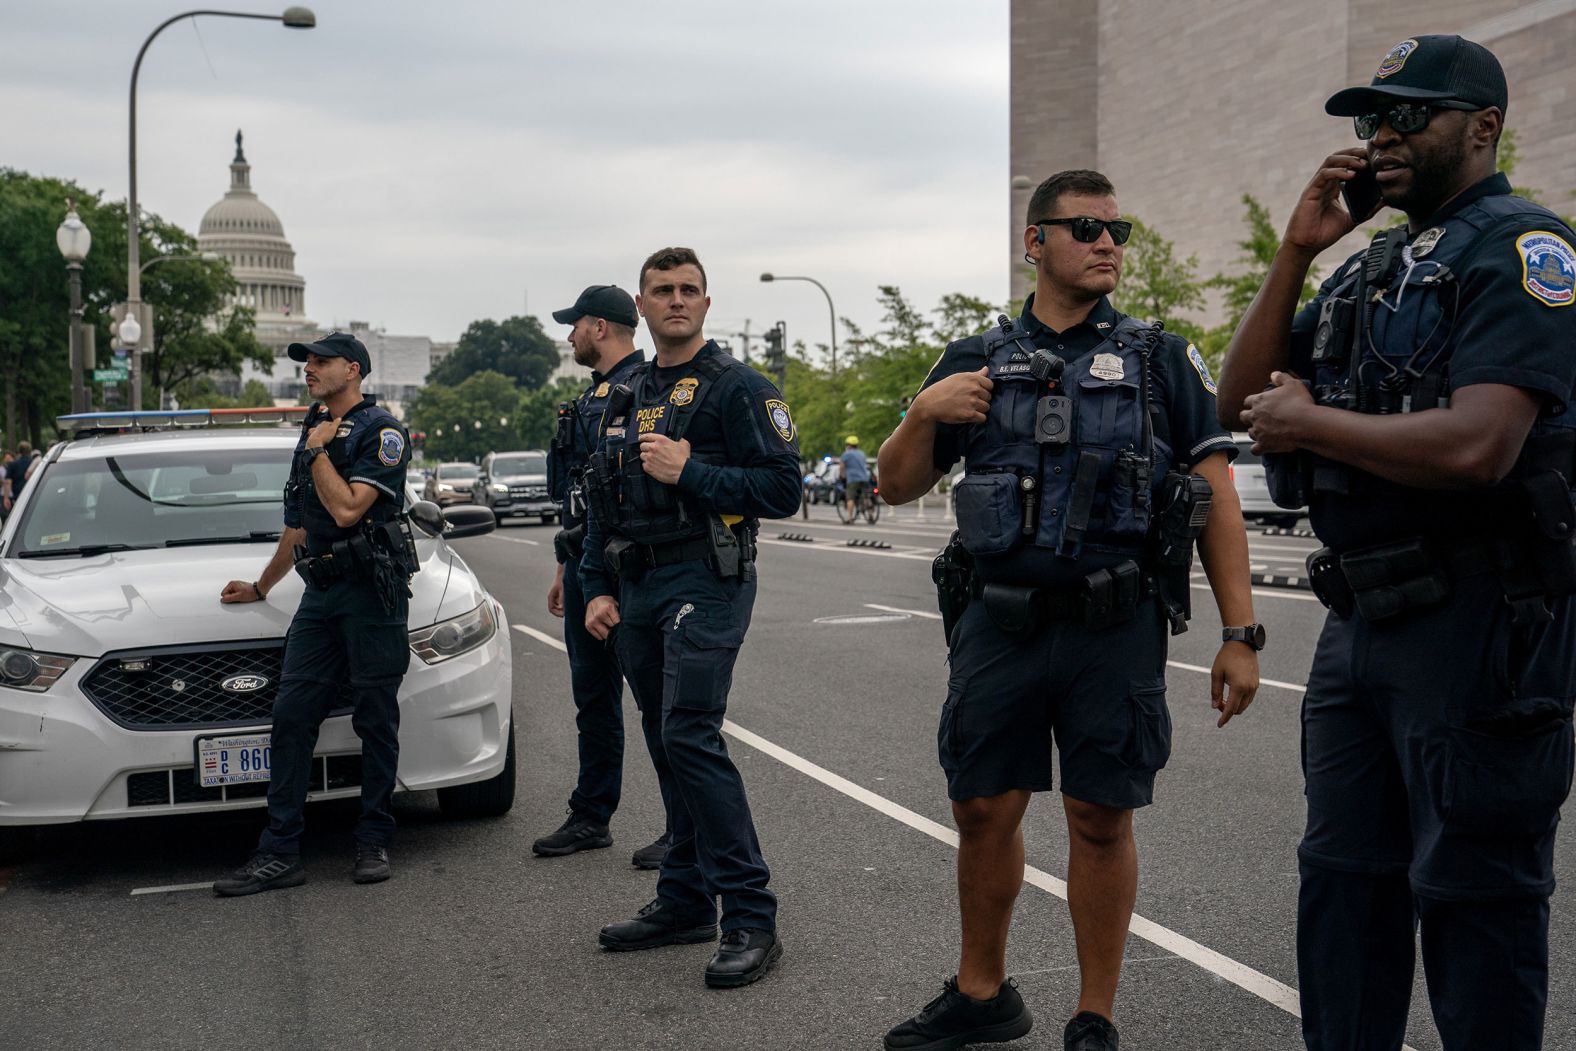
(1361, 195)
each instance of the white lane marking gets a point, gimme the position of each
(515, 540)
(881, 527)
(1296, 596)
(1239, 974)
(526, 629)
(1303, 551)
(173, 888)
(849, 550)
(1262, 682)
(910, 612)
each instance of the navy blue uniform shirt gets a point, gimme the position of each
(1183, 391)
(371, 447)
(586, 429)
(1506, 331)
(744, 453)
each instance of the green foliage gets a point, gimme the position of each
(538, 412)
(1258, 247)
(1156, 285)
(464, 422)
(203, 393)
(515, 347)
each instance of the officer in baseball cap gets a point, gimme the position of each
(608, 302)
(334, 345)
(1436, 69)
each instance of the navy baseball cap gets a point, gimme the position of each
(1428, 69)
(334, 345)
(608, 302)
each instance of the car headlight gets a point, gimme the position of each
(28, 670)
(445, 487)
(499, 487)
(457, 635)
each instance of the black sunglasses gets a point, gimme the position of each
(1088, 230)
(1406, 118)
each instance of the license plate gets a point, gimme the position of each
(233, 760)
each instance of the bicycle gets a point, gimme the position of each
(867, 503)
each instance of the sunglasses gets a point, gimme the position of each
(1088, 230)
(1406, 118)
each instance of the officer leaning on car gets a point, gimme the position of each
(1420, 404)
(603, 338)
(696, 448)
(1093, 462)
(344, 534)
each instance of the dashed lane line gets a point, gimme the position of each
(173, 888)
(1239, 974)
(515, 539)
(916, 555)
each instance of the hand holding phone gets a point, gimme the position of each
(1361, 194)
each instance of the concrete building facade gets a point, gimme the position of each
(1186, 107)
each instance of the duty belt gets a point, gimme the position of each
(1387, 580)
(1102, 599)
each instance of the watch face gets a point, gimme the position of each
(1256, 636)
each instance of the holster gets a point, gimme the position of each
(953, 574)
(726, 557)
(623, 561)
(1387, 580)
(570, 543)
(1180, 515)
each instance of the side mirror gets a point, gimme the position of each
(427, 517)
(463, 521)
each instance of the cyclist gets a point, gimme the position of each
(856, 475)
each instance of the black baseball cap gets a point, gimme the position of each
(1428, 69)
(334, 345)
(608, 302)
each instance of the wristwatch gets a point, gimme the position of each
(1252, 634)
(313, 452)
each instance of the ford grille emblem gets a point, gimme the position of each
(244, 683)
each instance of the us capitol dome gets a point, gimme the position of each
(247, 234)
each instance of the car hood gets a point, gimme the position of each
(126, 599)
(521, 479)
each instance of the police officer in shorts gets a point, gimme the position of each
(696, 448)
(1419, 405)
(344, 534)
(603, 338)
(1092, 463)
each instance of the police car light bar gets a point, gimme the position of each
(77, 423)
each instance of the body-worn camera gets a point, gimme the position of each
(1053, 420)
(1332, 340)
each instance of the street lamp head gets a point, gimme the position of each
(130, 331)
(767, 277)
(299, 18)
(72, 236)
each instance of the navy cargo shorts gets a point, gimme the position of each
(1098, 694)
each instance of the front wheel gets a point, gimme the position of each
(493, 797)
(872, 509)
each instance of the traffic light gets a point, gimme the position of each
(776, 352)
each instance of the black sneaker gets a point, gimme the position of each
(744, 956)
(372, 864)
(656, 925)
(1089, 1032)
(651, 857)
(953, 1020)
(262, 872)
(578, 833)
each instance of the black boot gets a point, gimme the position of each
(261, 872)
(1089, 1032)
(372, 864)
(656, 925)
(652, 856)
(578, 833)
(953, 1020)
(744, 956)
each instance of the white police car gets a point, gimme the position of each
(127, 689)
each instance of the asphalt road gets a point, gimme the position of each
(477, 943)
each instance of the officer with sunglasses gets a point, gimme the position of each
(1419, 404)
(1091, 447)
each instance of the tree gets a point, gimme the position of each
(467, 421)
(1157, 286)
(1258, 252)
(515, 347)
(537, 416)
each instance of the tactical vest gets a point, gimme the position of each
(1385, 336)
(574, 439)
(315, 518)
(629, 502)
(1095, 486)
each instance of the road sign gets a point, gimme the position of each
(110, 375)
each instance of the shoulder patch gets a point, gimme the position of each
(781, 419)
(1200, 367)
(1548, 268)
(344, 430)
(391, 446)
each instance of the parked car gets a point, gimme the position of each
(450, 483)
(1247, 473)
(514, 484)
(824, 483)
(127, 690)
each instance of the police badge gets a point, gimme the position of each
(683, 391)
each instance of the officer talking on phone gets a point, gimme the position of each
(1418, 405)
(344, 534)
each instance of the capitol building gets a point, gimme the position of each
(248, 235)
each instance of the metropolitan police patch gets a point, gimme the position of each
(1200, 367)
(391, 446)
(1396, 58)
(782, 422)
(1548, 268)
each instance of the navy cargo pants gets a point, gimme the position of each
(679, 633)
(599, 717)
(339, 634)
(1437, 750)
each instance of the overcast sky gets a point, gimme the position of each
(438, 162)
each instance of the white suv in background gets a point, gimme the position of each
(1247, 473)
(127, 689)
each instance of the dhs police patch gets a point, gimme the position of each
(1200, 367)
(1548, 268)
(391, 446)
(782, 422)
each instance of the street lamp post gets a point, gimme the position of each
(830, 309)
(74, 239)
(130, 330)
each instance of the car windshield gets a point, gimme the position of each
(521, 463)
(201, 496)
(458, 472)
